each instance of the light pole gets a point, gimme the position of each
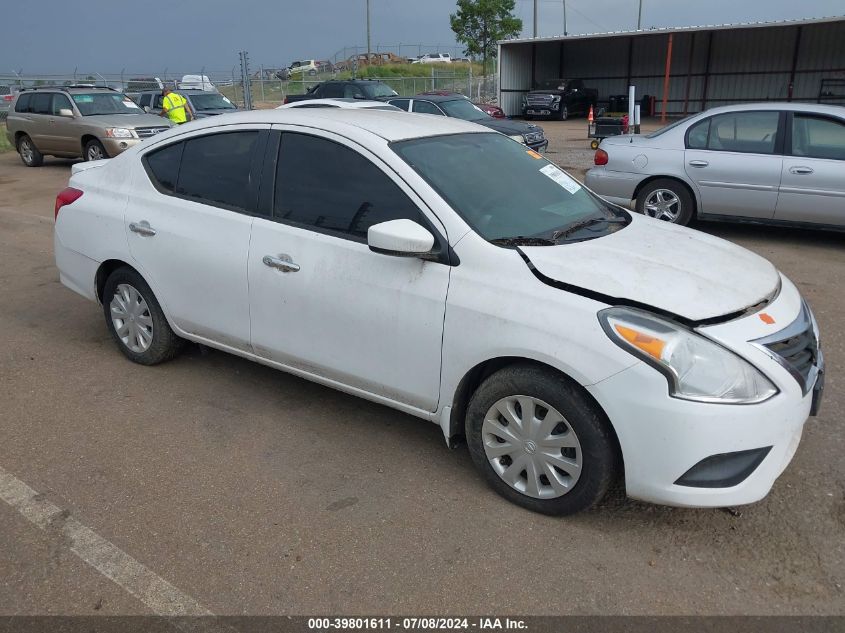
(368, 31)
(564, 18)
(640, 16)
(535, 17)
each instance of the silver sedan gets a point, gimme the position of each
(759, 162)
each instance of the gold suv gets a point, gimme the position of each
(76, 121)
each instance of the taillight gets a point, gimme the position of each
(286, 100)
(7, 97)
(601, 157)
(66, 196)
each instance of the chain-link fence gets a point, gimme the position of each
(268, 86)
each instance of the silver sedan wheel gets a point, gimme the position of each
(663, 204)
(25, 149)
(532, 447)
(131, 318)
(95, 152)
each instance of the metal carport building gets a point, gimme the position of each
(706, 66)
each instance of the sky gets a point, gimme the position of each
(111, 36)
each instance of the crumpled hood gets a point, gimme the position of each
(675, 269)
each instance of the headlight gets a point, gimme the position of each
(696, 367)
(118, 132)
(518, 138)
(556, 99)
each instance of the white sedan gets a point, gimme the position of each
(568, 341)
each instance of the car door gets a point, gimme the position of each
(63, 130)
(320, 301)
(38, 121)
(188, 225)
(812, 187)
(735, 161)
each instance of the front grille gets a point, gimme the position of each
(540, 100)
(146, 132)
(796, 348)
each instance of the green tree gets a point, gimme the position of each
(480, 24)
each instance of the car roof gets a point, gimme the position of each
(439, 98)
(391, 126)
(819, 108)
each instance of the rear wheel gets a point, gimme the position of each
(29, 154)
(136, 320)
(539, 441)
(94, 150)
(666, 200)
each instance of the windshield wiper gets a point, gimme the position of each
(521, 240)
(563, 233)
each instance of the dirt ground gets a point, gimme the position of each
(254, 492)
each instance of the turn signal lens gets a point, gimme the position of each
(651, 345)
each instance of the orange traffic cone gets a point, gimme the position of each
(590, 115)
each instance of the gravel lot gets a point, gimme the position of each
(252, 491)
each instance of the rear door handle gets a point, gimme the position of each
(801, 171)
(142, 228)
(282, 262)
(698, 163)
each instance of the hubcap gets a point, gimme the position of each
(663, 204)
(532, 447)
(94, 152)
(131, 318)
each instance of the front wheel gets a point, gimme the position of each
(563, 113)
(539, 441)
(136, 320)
(666, 200)
(94, 150)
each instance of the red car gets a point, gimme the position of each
(493, 110)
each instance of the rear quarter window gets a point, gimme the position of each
(23, 102)
(163, 166)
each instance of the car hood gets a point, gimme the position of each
(546, 91)
(202, 114)
(674, 269)
(126, 120)
(508, 126)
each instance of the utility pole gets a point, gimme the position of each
(564, 18)
(535, 17)
(640, 16)
(368, 31)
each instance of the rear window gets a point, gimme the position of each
(376, 90)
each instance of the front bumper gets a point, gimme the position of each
(115, 146)
(662, 438)
(539, 146)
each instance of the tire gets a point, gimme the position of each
(580, 432)
(125, 287)
(29, 154)
(94, 150)
(563, 113)
(666, 199)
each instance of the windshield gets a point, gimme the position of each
(214, 101)
(536, 202)
(463, 109)
(379, 90)
(105, 103)
(666, 128)
(552, 84)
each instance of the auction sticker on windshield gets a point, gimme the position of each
(561, 178)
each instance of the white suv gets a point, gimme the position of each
(567, 340)
(434, 58)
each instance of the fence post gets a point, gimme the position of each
(262, 83)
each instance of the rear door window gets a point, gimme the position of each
(41, 103)
(331, 90)
(400, 103)
(23, 102)
(216, 169)
(426, 107)
(818, 137)
(750, 132)
(697, 135)
(360, 194)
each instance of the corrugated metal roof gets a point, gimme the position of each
(678, 29)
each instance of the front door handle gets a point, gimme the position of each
(142, 228)
(801, 171)
(282, 262)
(698, 163)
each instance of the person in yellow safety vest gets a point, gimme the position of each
(175, 107)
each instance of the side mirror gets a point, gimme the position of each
(400, 238)
(66, 112)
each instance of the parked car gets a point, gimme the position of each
(434, 58)
(559, 99)
(7, 95)
(461, 108)
(348, 104)
(566, 338)
(140, 84)
(346, 89)
(494, 111)
(757, 162)
(201, 103)
(196, 82)
(72, 122)
(306, 66)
